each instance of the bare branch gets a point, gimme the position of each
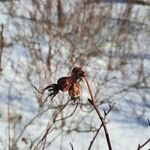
(44, 137)
(91, 143)
(71, 146)
(141, 146)
(61, 109)
(92, 102)
(68, 115)
(1, 45)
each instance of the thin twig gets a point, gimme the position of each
(31, 121)
(109, 110)
(63, 107)
(106, 113)
(71, 146)
(8, 109)
(54, 138)
(92, 102)
(91, 143)
(141, 146)
(44, 136)
(36, 89)
(68, 115)
(1, 45)
(148, 122)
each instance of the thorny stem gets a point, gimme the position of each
(92, 102)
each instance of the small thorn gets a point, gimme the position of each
(90, 101)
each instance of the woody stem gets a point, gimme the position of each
(93, 103)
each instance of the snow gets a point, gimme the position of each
(127, 123)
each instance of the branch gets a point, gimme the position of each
(91, 143)
(148, 122)
(141, 146)
(36, 89)
(30, 122)
(139, 2)
(92, 102)
(44, 137)
(1, 45)
(71, 146)
(61, 109)
(68, 115)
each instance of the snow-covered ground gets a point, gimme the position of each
(127, 123)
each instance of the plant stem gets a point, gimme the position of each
(93, 103)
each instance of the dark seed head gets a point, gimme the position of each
(77, 73)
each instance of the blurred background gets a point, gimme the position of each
(42, 40)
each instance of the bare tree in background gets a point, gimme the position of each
(54, 36)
